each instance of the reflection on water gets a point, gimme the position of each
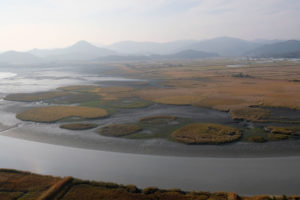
(4, 75)
(242, 175)
(47, 79)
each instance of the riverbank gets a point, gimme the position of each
(246, 176)
(25, 185)
(19, 184)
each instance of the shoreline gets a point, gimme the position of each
(161, 147)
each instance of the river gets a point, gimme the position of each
(273, 175)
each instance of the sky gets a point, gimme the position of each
(27, 24)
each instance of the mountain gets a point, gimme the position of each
(225, 46)
(264, 41)
(81, 50)
(191, 54)
(148, 48)
(15, 57)
(286, 49)
(186, 54)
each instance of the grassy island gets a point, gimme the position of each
(206, 134)
(78, 126)
(56, 113)
(118, 130)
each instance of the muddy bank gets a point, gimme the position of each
(90, 139)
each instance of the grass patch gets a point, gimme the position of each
(261, 135)
(30, 97)
(206, 134)
(73, 98)
(178, 100)
(78, 126)
(284, 130)
(118, 130)
(158, 127)
(23, 185)
(56, 113)
(249, 113)
(275, 137)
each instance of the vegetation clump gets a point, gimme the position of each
(30, 97)
(284, 130)
(206, 134)
(56, 113)
(276, 137)
(78, 126)
(118, 130)
(249, 113)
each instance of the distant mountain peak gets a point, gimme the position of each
(82, 43)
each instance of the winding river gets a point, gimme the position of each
(251, 175)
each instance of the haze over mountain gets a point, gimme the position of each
(286, 49)
(132, 47)
(224, 46)
(184, 49)
(186, 54)
(18, 58)
(81, 50)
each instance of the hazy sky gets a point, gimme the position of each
(25, 24)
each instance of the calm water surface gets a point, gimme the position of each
(242, 175)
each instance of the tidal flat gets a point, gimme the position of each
(129, 93)
(156, 104)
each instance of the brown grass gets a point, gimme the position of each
(118, 130)
(206, 134)
(113, 93)
(27, 186)
(78, 126)
(284, 130)
(23, 184)
(210, 85)
(275, 137)
(55, 113)
(248, 113)
(54, 189)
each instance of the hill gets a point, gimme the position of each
(286, 49)
(225, 46)
(186, 54)
(148, 48)
(15, 57)
(81, 50)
